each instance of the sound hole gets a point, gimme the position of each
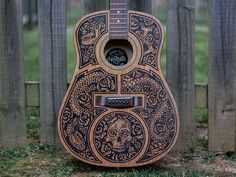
(117, 57)
(118, 52)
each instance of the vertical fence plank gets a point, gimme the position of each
(180, 64)
(12, 89)
(222, 76)
(141, 5)
(53, 72)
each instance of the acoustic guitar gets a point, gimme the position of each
(118, 110)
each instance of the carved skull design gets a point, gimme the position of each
(119, 133)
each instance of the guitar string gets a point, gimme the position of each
(118, 19)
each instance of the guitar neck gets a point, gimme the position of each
(118, 19)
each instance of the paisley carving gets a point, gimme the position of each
(149, 33)
(159, 111)
(119, 137)
(90, 30)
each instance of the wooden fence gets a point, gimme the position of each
(219, 96)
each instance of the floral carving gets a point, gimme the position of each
(150, 35)
(88, 33)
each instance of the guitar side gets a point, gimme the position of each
(111, 136)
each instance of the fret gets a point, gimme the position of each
(114, 23)
(120, 29)
(118, 12)
(117, 33)
(115, 11)
(118, 37)
(118, 24)
(118, 19)
(118, 16)
(118, 3)
(118, 8)
(113, 36)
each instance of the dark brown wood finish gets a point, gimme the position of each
(118, 28)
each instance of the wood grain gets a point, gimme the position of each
(12, 88)
(222, 76)
(180, 64)
(53, 72)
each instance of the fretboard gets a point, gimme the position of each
(118, 19)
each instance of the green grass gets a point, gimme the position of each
(32, 54)
(33, 123)
(42, 160)
(201, 115)
(36, 160)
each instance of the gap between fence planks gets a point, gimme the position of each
(12, 88)
(53, 72)
(180, 65)
(222, 76)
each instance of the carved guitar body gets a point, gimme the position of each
(118, 110)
